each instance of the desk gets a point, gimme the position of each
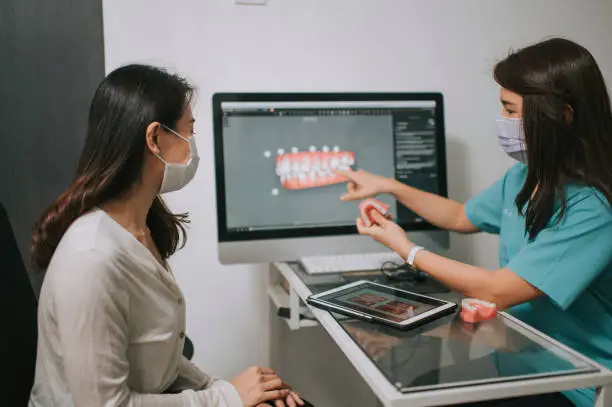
(445, 361)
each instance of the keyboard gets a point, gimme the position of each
(349, 262)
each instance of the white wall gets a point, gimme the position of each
(332, 45)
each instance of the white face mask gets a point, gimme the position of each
(512, 137)
(176, 176)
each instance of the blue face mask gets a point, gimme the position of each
(512, 137)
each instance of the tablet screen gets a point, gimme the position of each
(382, 302)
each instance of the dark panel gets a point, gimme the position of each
(18, 342)
(51, 60)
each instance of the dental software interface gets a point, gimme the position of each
(280, 158)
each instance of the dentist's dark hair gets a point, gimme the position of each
(567, 121)
(111, 163)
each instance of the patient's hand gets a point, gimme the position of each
(258, 384)
(292, 400)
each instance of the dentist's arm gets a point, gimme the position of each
(503, 286)
(437, 210)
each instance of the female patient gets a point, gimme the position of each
(111, 315)
(551, 210)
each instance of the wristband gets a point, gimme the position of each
(412, 255)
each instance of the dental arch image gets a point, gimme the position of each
(312, 168)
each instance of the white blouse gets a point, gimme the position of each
(111, 327)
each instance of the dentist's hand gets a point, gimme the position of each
(386, 232)
(363, 184)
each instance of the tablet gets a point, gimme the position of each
(381, 303)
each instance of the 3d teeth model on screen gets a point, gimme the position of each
(312, 168)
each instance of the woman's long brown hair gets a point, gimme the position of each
(125, 103)
(555, 77)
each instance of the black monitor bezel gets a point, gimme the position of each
(234, 236)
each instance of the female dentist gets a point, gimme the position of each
(552, 210)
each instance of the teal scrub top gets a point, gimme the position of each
(569, 261)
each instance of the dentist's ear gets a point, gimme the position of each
(151, 137)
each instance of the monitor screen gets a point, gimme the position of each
(276, 157)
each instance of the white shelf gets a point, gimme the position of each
(280, 298)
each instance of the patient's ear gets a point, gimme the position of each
(151, 137)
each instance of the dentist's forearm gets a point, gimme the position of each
(502, 287)
(437, 210)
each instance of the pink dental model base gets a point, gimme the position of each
(474, 310)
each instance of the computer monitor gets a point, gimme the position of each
(278, 196)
